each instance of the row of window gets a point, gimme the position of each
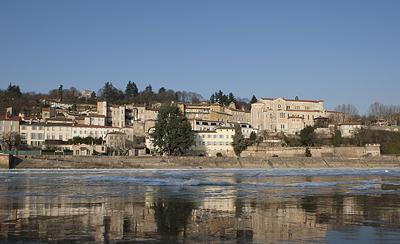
(216, 136)
(215, 143)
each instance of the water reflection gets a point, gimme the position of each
(199, 207)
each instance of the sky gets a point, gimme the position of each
(342, 51)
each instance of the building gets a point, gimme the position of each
(9, 129)
(213, 142)
(9, 124)
(32, 134)
(214, 112)
(86, 94)
(48, 113)
(285, 115)
(207, 125)
(116, 141)
(349, 130)
(94, 119)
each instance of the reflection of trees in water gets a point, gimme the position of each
(172, 216)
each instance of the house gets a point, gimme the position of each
(116, 142)
(32, 134)
(213, 142)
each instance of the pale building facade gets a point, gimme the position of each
(98, 120)
(213, 142)
(32, 134)
(214, 112)
(285, 115)
(349, 130)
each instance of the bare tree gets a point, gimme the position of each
(382, 111)
(350, 111)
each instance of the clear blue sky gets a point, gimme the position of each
(340, 51)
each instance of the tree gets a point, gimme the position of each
(148, 89)
(161, 90)
(212, 98)
(13, 91)
(337, 138)
(308, 152)
(131, 91)
(253, 136)
(307, 136)
(253, 99)
(348, 109)
(60, 93)
(239, 143)
(172, 132)
(381, 111)
(10, 141)
(231, 98)
(252, 139)
(110, 93)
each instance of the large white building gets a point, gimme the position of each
(32, 134)
(285, 115)
(216, 141)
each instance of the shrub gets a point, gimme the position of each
(308, 152)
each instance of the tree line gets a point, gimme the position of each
(30, 102)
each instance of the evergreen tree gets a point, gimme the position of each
(131, 91)
(162, 90)
(172, 132)
(13, 91)
(148, 89)
(60, 93)
(253, 136)
(111, 94)
(253, 99)
(212, 98)
(307, 136)
(231, 98)
(337, 138)
(239, 143)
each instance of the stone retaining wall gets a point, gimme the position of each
(202, 162)
(348, 152)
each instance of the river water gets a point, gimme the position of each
(201, 206)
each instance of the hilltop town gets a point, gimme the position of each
(72, 122)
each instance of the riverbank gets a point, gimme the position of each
(102, 162)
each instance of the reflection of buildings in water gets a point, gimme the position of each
(223, 216)
(275, 222)
(62, 217)
(226, 202)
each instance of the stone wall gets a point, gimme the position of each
(347, 152)
(93, 162)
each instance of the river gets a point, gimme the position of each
(201, 206)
